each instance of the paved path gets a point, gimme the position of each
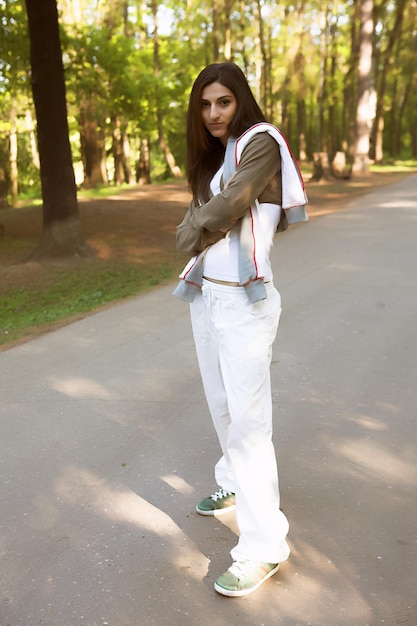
(106, 445)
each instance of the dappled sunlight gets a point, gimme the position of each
(388, 407)
(372, 456)
(314, 212)
(317, 576)
(346, 267)
(81, 488)
(140, 251)
(77, 387)
(157, 385)
(150, 427)
(78, 486)
(404, 205)
(229, 520)
(103, 250)
(369, 423)
(128, 506)
(166, 192)
(178, 483)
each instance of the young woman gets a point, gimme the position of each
(245, 186)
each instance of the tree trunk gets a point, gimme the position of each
(263, 60)
(334, 135)
(14, 175)
(320, 137)
(215, 12)
(4, 188)
(117, 147)
(169, 157)
(321, 167)
(378, 142)
(257, 57)
(301, 129)
(129, 176)
(242, 25)
(379, 115)
(62, 233)
(398, 146)
(32, 139)
(350, 86)
(300, 94)
(92, 147)
(364, 113)
(228, 30)
(392, 115)
(143, 167)
(339, 166)
(121, 151)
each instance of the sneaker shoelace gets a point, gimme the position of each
(220, 494)
(241, 568)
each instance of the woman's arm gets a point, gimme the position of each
(192, 240)
(259, 164)
(205, 225)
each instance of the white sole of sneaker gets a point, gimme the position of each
(244, 592)
(216, 512)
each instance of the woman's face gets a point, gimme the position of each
(218, 108)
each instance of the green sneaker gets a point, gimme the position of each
(243, 577)
(220, 502)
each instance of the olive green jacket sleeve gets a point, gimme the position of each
(193, 240)
(208, 223)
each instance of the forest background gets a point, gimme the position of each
(338, 78)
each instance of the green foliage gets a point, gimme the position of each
(305, 65)
(29, 182)
(14, 47)
(109, 70)
(70, 292)
(14, 62)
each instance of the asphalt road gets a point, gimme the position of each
(106, 445)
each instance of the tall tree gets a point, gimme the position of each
(364, 113)
(387, 58)
(170, 159)
(127, 82)
(14, 64)
(321, 137)
(62, 233)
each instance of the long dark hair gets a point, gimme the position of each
(205, 153)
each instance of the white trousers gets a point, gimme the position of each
(234, 348)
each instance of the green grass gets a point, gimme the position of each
(407, 167)
(395, 166)
(33, 197)
(64, 293)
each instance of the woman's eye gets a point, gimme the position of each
(225, 103)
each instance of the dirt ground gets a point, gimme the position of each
(137, 226)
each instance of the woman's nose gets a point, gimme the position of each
(214, 112)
